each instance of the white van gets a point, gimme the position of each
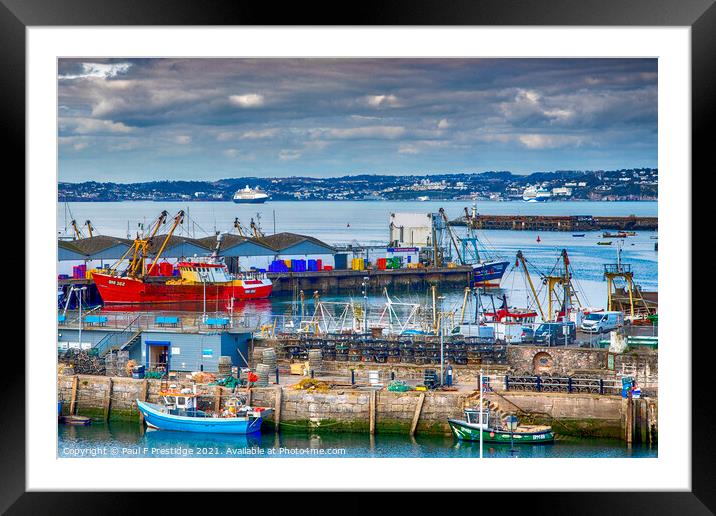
(601, 322)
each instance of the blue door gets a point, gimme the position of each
(158, 355)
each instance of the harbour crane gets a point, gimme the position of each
(90, 228)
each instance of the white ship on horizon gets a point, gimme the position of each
(534, 194)
(250, 196)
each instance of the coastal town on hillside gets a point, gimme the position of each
(617, 185)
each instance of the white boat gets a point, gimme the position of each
(534, 194)
(250, 196)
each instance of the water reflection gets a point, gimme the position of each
(162, 443)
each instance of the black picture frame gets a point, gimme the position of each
(700, 15)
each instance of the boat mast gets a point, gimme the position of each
(521, 259)
(178, 219)
(452, 235)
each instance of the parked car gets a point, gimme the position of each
(600, 322)
(552, 333)
(528, 334)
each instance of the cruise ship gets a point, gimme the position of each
(534, 194)
(250, 196)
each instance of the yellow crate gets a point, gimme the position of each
(298, 367)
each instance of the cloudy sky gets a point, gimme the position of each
(128, 120)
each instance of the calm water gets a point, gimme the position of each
(328, 221)
(368, 221)
(127, 440)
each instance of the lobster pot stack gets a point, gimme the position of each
(262, 371)
(268, 358)
(257, 356)
(224, 367)
(315, 360)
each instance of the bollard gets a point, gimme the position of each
(353, 376)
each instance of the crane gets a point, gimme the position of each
(90, 228)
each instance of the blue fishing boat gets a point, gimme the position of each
(578, 235)
(179, 413)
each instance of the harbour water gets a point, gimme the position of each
(126, 440)
(335, 222)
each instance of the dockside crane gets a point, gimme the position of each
(90, 228)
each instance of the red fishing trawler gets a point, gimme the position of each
(205, 279)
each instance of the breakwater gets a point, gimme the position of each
(560, 222)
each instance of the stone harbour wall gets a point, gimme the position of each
(349, 409)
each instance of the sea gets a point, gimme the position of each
(366, 223)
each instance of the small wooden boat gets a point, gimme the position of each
(578, 235)
(75, 420)
(604, 243)
(469, 430)
(179, 413)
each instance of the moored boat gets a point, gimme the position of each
(604, 243)
(204, 279)
(470, 428)
(180, 413)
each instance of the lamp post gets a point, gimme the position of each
(511, 421)
(365, 304)
(79, 320)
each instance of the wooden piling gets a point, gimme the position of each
(277, 405)
(143, 397)
(372, 408)
(416, 414)
(108, 398)
(73, 399)
(629, 420)
(217, 398)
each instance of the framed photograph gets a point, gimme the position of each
(418, 250)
